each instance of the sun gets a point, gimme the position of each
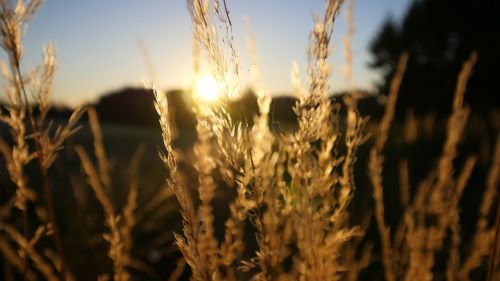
(207, 88)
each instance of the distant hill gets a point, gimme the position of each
(56, 112)
(130, 105)
(135, 106)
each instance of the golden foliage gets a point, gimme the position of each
(291, 191)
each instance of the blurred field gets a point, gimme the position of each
(80, 215)
(215, 184)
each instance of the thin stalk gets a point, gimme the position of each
(45, 180)
(494, 249)
(20, 90)
(25, 232)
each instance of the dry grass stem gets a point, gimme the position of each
(120, 224)
(375, 170)
(47, 142)
(255, 203)
(347, 42)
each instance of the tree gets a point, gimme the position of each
(440, 35)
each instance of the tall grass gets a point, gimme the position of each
(24, 91)
(289, 195)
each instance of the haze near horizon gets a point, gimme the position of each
(99, 50)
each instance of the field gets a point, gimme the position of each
(241, 194)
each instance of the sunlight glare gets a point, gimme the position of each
(207, 88)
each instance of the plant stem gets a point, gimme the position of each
(43, 171)
(494, 249)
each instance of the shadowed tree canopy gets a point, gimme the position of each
(440, 35)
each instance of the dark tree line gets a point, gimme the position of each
(440, 35)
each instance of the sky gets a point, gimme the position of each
(99, 50)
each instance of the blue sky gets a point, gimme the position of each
(99, 51)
